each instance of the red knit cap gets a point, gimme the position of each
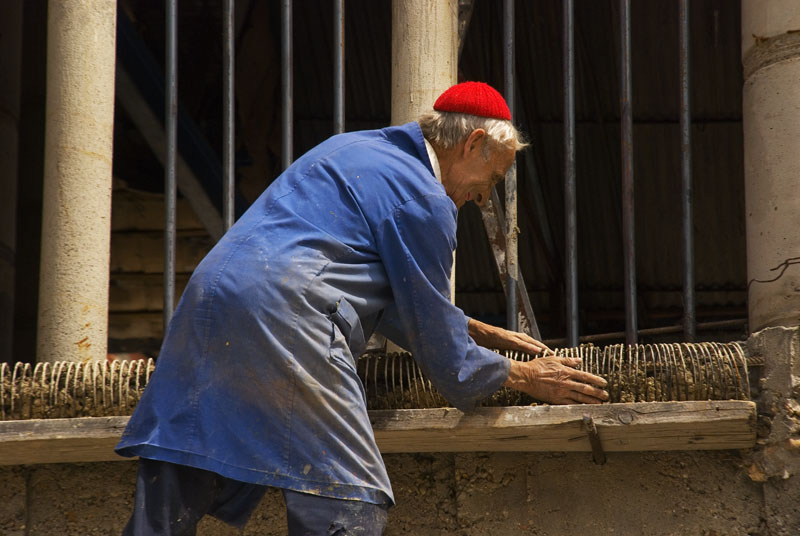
(474, 98)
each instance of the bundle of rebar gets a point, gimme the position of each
(640, 373)
(66, 389)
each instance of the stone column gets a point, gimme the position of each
(424, 61)
(771, 122)
(424, 54)
(10, 69)
(76, 223)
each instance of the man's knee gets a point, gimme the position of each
(311, 514)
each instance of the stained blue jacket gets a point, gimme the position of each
(256, 378)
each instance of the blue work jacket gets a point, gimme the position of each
(256, 378)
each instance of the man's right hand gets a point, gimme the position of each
(556, 380)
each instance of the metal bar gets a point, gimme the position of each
(170, 182)
(228, 117)
(494, 223)
(570, 190)
(493, 219)
(666, 330)
(598, 455)
(338, 66)
(626, 116)
(287, 84)
(141, 88)
(512, 256)
(689, 320)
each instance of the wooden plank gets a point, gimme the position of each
(125, 325)
(135, 292)
(144, 251)
(144, 211)
(89, 439)
(712, 425)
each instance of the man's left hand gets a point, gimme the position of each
(497, 338)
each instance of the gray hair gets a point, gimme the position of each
(448, 129)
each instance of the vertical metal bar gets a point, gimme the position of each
(170, 183)
(689, 321)
(495, 224)
(228, 117)
(570, 195)
(626, 112)
(338, 66)
(287, 84)
(512, 258)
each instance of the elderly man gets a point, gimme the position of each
(256, 381)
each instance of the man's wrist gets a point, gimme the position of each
(514, 374)
(475, 329)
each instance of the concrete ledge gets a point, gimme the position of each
(708, 425)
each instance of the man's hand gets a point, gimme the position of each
(555, 380)
(496, 338)
(550, 379)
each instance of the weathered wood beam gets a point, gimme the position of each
(143, 252)
(133, 210)
(712, 425)
(88, 439)
(136, 325)
(138, 292)
(707, 425)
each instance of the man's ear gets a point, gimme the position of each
(474, 141)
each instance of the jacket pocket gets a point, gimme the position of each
(346, 320)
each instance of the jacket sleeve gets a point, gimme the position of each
(391, 327)
(416, 244)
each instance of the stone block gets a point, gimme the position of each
(424, 489)
(80, 499)
(654, 493)
(12, 501)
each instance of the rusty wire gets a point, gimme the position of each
(635, 373)
(67, 389)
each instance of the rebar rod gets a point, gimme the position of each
(228, 114)
(687, 196)
(170, 182)
(338, 66)
(628, 220)
(570, 190)
(665, 330)
(287, 84)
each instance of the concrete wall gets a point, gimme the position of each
(438, 494)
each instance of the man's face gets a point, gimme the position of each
(472, 177)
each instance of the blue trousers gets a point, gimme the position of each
(171, 499)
